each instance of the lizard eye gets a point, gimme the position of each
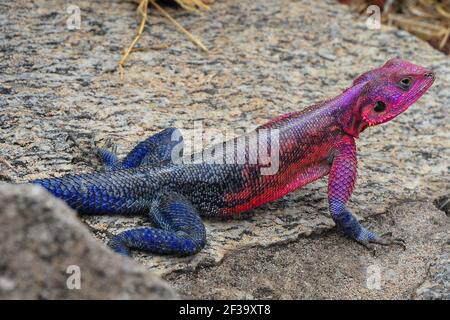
(405, 83)
(380, 106)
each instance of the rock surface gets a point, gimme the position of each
(330, 266)
(266, 58)
(47, 253)
(437, 284)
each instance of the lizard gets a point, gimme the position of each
(316, 141)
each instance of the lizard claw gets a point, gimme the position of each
(71, 137)
(386, 234)
(85, 153)
(109, 144)
(386, 239)
(369, 246)
(367, 238)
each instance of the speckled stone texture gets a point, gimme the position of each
(266, 57)
(437, 283)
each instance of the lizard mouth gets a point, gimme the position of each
(429, 78)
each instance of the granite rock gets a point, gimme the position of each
(47, 253)
(437, 284)
(330, 266)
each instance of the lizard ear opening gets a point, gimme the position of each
(379, 107)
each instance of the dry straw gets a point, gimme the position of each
(143, 7)
(427, 19)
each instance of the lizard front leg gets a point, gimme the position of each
(341, 181)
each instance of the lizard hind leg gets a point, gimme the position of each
(156, 149)
(179, 229)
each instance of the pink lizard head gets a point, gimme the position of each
(388, 91)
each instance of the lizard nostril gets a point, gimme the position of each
(429, 75)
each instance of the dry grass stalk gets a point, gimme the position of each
(7, 164)
(189, 5)
(142, 8)
(179, 26)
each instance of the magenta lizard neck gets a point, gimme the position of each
(346, 106)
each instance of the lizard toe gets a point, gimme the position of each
(119, 246)
(369, 246)
(386, 239)
(367, 237)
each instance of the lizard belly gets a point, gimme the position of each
(270, 188)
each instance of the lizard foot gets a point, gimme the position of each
(111, 146)
(107, 154)
(386, 239)
(108, 145)
(75, 141)
(368, 238)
